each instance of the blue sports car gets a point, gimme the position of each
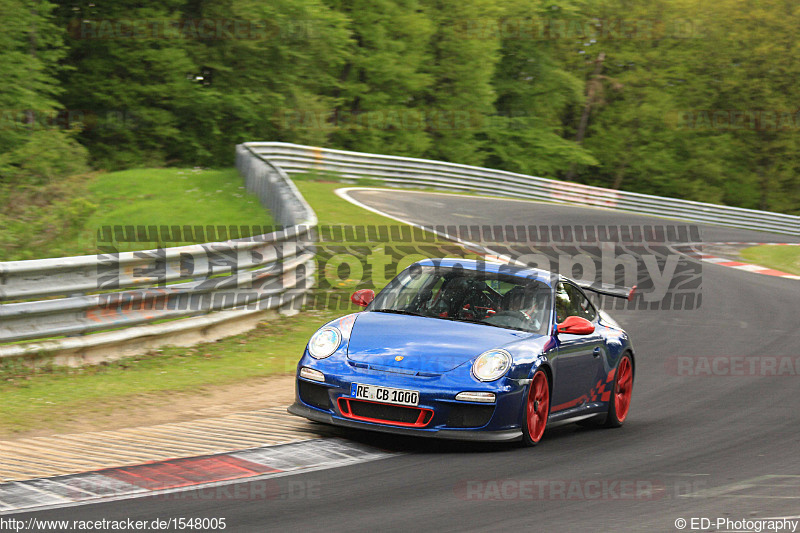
(472, 350)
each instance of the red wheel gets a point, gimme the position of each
(537, 407)
(623, 390)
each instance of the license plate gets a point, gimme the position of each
(376, 393)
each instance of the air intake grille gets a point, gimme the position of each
(469, 416)
(315, 395)
(384, 413)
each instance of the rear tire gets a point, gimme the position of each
(620, 402)
(537, 409)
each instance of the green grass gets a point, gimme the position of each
(314, 177)
(331, 209)
(783, 258)
(172, 197)
(63, 220)
(47, 397)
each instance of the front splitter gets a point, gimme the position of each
(299, 409)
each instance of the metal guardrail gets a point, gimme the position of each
(202, 284)
(426, 173)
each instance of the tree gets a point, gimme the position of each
(378, 100)
(274, 80)
(129, 79)
(460, 99)
(34, 146)
(536, 93)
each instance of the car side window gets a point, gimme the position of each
(563, 303)
(583, 307)
(570, 301)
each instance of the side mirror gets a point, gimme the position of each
(363, 297)
(576, 325)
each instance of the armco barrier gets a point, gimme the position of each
(88, 306)
(425, 173)
(92, 307)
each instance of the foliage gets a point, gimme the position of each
(31, 116)
(39, 220)
(671, 97)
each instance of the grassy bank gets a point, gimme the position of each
(63, 218)
(783, 258)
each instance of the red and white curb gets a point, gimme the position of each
(207, 477)
(751, 243)
(696, 250)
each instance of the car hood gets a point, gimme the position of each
(423, 345)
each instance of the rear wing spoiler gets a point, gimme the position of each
(610, 290)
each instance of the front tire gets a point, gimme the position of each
(537, 409)
(620, 402)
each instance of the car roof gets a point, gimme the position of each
(492, 266)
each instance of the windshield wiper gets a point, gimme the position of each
(396, 311)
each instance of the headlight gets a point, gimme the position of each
(324, 342)
(491, 365)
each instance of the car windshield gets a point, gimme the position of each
(451, 293)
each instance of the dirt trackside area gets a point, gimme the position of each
(164, 407)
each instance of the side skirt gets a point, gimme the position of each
(576, 414)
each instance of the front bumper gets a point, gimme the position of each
(317, 415)
(440, 414)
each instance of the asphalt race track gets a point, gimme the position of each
(692, 447)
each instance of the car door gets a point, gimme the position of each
(578, 363)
